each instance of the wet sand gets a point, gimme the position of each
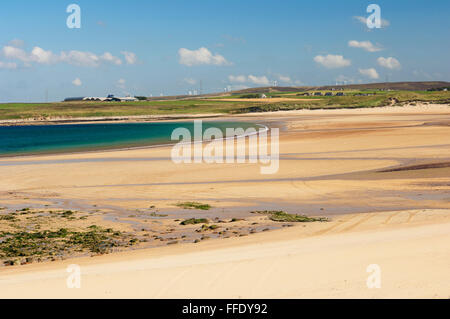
(332, 163)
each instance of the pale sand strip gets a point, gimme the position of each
(417, 108)
(414, 259)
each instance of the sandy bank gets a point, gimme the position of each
(416, 108)
(413, 255)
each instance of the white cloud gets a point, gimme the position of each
(37, 55)
(80, 58)
(88, 59)
(40, 56)
(284, 79)
(370, 73)
(258, 80)
(111, 58)
(130, 57)
(365, 45)
(389, 63)
(384, 23)
(77, 82)
(190, 81)
(363, 20)
(332, 61)
(199, 57)
(237, 78)
(11, 52)
(8, 65)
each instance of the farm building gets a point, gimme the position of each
(74, 99)
(109, 98)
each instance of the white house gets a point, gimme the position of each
(110, 98)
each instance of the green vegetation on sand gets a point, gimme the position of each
(194, 205)
(43, 245)
(194, 221)
(280, 216)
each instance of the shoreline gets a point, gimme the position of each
(262, 117)
(110, 119)
(212, 116)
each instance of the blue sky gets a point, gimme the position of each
(169, 47)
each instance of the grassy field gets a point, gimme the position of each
(216, 105)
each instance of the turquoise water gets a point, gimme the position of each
(36, 139)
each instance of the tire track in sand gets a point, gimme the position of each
(337, 224)
(363, 218)
(392, 215)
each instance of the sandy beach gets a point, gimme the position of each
(329, 262)
(382, 177)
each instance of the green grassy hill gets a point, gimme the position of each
(219, 104)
